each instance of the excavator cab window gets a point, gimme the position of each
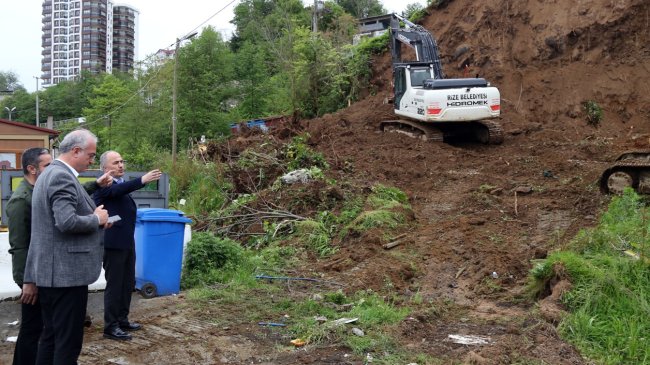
(400, 85)
(418, 75)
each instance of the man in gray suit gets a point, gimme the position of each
(65, 253)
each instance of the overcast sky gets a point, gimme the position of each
(160, 23)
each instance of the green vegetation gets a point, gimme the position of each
(210, 259)
(386, 209)
(300, 155)
(609, 270)
(594, 113)
(316, 235)
(220, 272)
(202, 185)
(273, 65)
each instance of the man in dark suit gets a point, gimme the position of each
(65, 252)
(119, 245)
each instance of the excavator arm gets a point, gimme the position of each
(419, 39)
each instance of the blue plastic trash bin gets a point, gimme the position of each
(159, 251)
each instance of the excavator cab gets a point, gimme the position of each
(410, 76)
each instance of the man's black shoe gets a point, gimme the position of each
(130, 326)
(88, 321)
(117, 334)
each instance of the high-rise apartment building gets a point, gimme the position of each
(125, 42)
(80, 35)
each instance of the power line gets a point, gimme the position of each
(158, 71)
(191, 31)
(127, 100)
(212, 16)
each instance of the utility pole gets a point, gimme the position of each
(37, 116)
(174, 104)
(315, 17)
(174, 86)
(108, 124)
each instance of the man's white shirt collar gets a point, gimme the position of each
(74, 172)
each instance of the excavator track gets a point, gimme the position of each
(631, 169)
(484, 131)
(494, 132)
(413, 129)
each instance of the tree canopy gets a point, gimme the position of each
(273, 65)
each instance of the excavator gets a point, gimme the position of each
(631, 169)
(435, 108)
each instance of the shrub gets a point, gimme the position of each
(208, 257)
(594, 113)
(202, 185)
(299, 155)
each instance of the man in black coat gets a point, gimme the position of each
(119, 245)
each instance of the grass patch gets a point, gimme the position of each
(377, 219)
(609, 302)
(387, 208)
(385, 197)
(316, 236)
(375, 315)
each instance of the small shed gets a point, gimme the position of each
(15, 137)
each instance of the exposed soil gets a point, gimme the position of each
(480, 213)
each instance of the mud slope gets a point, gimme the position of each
(487, 211)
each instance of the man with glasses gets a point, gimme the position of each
(119, 245)
(19, 216)
(65, 252)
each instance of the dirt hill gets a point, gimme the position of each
(480, 209)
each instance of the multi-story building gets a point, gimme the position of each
(125, 42)
(79, 35)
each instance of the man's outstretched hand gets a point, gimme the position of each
(150, 176)
(105, 180)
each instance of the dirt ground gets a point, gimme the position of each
(481, 213)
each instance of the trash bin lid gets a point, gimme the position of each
(161, 215)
